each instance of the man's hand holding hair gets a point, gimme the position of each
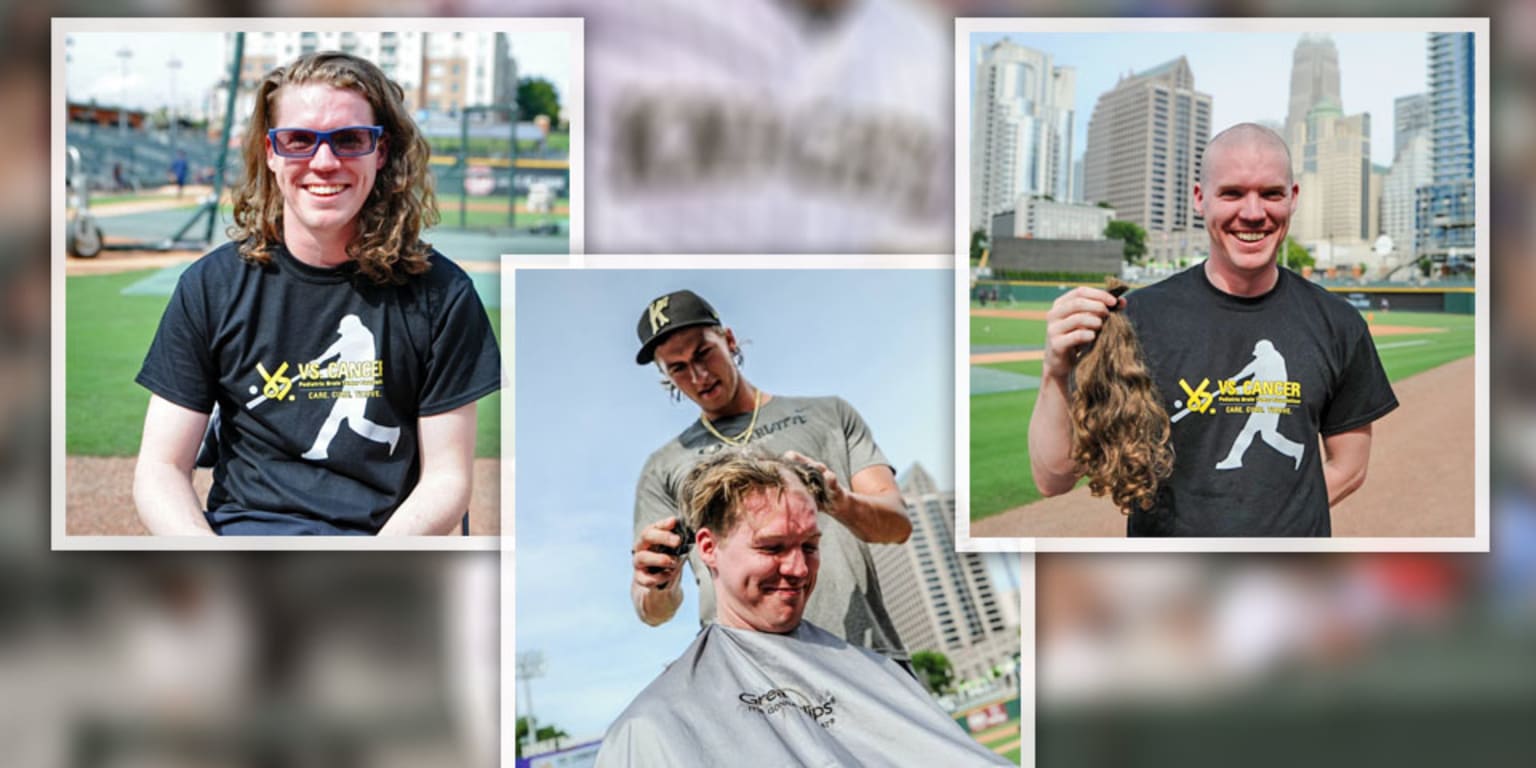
(1072, 322)
(871, 507)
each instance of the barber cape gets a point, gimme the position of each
(743, 698)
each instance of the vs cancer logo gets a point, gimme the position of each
(344, 377)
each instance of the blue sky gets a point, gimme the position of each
(587, 417)
(1248, 75)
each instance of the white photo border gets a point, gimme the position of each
(965, 542)
(60, 539)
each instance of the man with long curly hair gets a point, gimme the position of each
(1238, 348)
(341, 354)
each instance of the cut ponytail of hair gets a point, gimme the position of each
(1120, 429)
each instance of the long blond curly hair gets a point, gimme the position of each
(388, 246)
(1120, 429)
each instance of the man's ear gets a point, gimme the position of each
(704, 541)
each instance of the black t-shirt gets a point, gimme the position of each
(1250, 384)
(320, 377)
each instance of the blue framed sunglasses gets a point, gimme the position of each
(351, 141)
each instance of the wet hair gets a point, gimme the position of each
(1120, 429)
(711, 496)
(388, 246)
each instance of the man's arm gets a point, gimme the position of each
(162, 478)
(871, 507)
(441, 496)
(1345, 457)
(1073, 321)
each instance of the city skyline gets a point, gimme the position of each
(1375, 68)
(94, 68)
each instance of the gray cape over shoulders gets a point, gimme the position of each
(806, 698)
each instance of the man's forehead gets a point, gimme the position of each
(683, 341)
(1246, 151)
(313, 94)
(779, 511)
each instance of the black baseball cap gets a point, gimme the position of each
(672, 312)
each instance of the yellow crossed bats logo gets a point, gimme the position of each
(277, 385)
(1199, 400)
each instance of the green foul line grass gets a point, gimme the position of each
(107, 335)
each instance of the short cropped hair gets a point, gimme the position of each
(388, 246)
(711, 496)
(1249, 133)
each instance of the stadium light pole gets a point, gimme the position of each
(530, 665)
(173, 64)
(124, 54)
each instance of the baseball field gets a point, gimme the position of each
(113, 305)
(1421, 453)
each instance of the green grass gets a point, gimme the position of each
(1000, 478)
(1007, 331)
(494, 219)
(1408, 354)
(107, 336)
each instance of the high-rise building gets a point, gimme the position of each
(1410, 115)
(1446, 208)
(940, 599)
(466, 69)
(442, 72)
(1399, 198)
(1021, 129)
(1314, 80)
(1336, 203)
(1145, 142)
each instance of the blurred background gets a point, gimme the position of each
(390, 659)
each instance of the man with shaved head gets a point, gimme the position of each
(1254, 364)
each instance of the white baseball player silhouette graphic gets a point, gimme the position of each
(1267, 365)
(356, 345)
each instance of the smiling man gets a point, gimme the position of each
(701, 360)
(1240, 348)
(342, 355)
(761, 686)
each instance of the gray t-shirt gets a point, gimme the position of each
(847, 599)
